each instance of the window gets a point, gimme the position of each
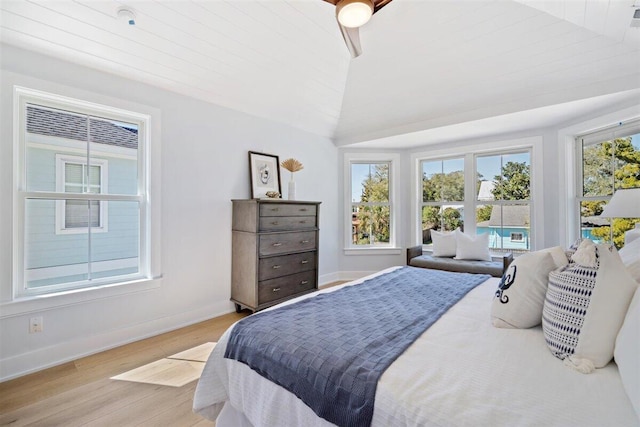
(607, 160)
(503, 208)
(79, 162)
(442, 196)
(488, 191)
(369, 195)
(73, 216)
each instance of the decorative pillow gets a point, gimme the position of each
(573, 248)
(444, 244)
(472, 247)
(627, 350)
(558, 255)
(585, 254)
(584, 309)
(630, 255)
(520, 295)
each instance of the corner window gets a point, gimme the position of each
(82, 212)
(371, 209)
(607, 160)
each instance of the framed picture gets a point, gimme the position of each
(265, 174)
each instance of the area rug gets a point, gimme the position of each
(174, 371)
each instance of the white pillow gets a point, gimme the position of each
(627, 350)
(472, 247)
(559, 256)
(630, 255)
(584, 309)
(444, 244)
(520, 296)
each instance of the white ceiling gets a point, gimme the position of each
(431, 71)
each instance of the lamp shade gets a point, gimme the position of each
(354, 13)
(625, 203)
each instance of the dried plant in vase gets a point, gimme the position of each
(292, 165)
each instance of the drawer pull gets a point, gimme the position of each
(304, 282)
(303, 222)
(275, 209)
(304, 241)
(275, 267)
(304, 261)
(277, 244)
(276, 289)
(274, 223)
(303, 209)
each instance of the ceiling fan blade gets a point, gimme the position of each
(352, 40)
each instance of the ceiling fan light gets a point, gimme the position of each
(354, 13)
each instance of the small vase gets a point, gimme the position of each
(292, 190)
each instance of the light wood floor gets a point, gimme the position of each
(80, 393)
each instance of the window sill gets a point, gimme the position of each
(373, 251)
(36, 303)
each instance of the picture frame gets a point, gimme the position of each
(264, 174)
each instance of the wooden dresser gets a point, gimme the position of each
(275, 251)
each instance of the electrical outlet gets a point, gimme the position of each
(36, 325)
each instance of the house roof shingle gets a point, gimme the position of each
(44, 121)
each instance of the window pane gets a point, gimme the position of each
(50, 258)
(503, 177)
(508, 226)
(370, 182)
(443, 180)
(592, 225)
(370, 225)
(116, 142)
(597, 170)
(440, 218)
(115, 252)
(55, 259)
(77, 212)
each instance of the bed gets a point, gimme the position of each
(461, 371)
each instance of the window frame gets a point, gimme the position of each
(533, 144)
(394, 210)
(148, 263)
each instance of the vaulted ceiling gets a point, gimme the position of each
(431, 70)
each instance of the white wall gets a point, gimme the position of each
(204, 165)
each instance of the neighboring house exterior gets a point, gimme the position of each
(508, 227)
(71, 239)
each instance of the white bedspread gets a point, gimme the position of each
(461, 372)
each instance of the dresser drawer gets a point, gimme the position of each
(282, 209)
(287, 264)
(271, 290)
(280, 243)
(284, 223)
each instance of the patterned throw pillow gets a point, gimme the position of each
(584, 309)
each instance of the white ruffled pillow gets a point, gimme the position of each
(520, 296)
(444, 244)
(472, 247)
(585, 307)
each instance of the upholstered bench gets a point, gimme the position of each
(496, 267)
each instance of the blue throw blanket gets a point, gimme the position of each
(330, 350)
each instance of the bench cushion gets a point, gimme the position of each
(493, 268)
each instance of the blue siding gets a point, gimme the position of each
(501, 237)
